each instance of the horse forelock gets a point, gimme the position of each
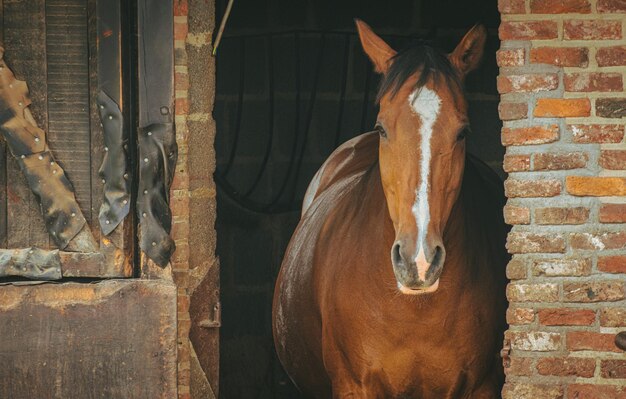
(423, 59)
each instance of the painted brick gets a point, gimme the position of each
(559, 161)
(560, 56)
(598, 241)
(521, 390)
(563, 367)
(611, 56)
(528, 30)
(540, 292)
(612, 6)
(591, 341)
(562, 107)
(613, 368)
(510, 57)
(613, 159)
(516, 163)
(595, 186)
(560, 6)
(611, 107)
(512, 6)
(561, 267)
(522, 366)
(181, 8)
(586, 82)
(592, 30)
(530, 135)
(577, 215)
(516, 269)
(531, 188)
(516, 215)
(612, 264)
(613, 317)
(512, 111)
(527, 83)
(593, 291)
(567, 317)
(538, 341)
(585, 134)
(523, 242)
(613, 213)
(519, 316)
(589, 391)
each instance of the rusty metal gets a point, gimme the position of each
(31, 263)
(216, 318)
(46, 178)
(157, 158)
(114, 174)
(620, 340)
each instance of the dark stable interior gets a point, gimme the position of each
(293, 84)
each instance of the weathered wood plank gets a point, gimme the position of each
(67, 51)
(24, 39)
(113, 339)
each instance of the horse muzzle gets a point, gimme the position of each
(417, 273)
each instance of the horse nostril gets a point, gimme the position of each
(396, 257)
(438, 256)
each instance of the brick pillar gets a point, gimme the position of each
(563, 105)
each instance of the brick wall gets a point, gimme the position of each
(562, 65)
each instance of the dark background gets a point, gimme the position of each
(292, 84)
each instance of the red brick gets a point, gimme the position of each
(592, 391)
(182, 106)
(592, 30)
(562, 107)
(522, 242)
(586, 82)
(528, 30)
(510, 57)
(520, 366)
(180, 30)
(530, 135)
(561, 267)
(563, 367)
(611, 6)
(613, 317)
(532, 188)
(560, 6)
(559, 161)
(595, 186)
(593, 291)
(613, 159)
(536, 341)
(612, 264)
(598, 241)
(585, 134)
(578, 215)
(512, 111)
(613, 213)
(181, 8)
(512, 6)
(591, 341)
(516, 269)
(516, 215)
(567, 317)
(611, 56)
(545, 292)
(183, 303)
(181, 81)
(613, 368)
(560, 56)
(516, 163)
(611, 107)
(520, 390)
(527, 83)
(520, 316)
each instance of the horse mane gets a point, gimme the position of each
(421, 58)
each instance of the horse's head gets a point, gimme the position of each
(422, 123)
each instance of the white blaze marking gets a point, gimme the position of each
(426, 104)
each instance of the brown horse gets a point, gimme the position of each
(351, 321)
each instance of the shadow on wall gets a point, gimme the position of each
(292, 84)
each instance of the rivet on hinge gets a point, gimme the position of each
(216, 321)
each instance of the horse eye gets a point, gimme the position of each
(381, 130)
(463, 133)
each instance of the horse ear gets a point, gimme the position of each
(467, 55)
(376, 49)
